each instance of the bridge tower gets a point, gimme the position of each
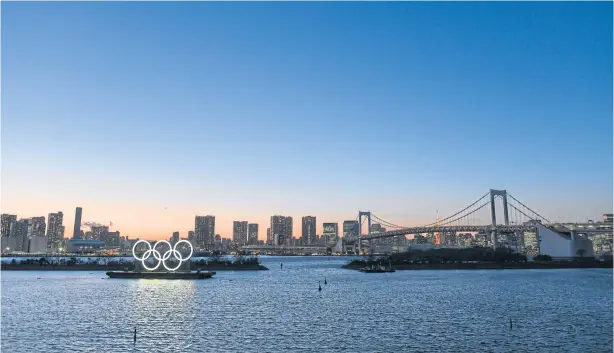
(493, 214)
(362, 214)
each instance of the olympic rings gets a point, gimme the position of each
(162, 258)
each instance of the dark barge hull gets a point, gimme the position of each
(160, 275)
(374, 270)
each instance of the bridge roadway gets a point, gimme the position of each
(501, 229)
(284, 248)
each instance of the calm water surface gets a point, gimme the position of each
(282, 311)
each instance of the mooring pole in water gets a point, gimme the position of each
(282, 265)
(134, 334)
(510, 323)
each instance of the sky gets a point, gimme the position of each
(146, 114)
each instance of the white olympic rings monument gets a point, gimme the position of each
(162, 258)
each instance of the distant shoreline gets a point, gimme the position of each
(489, 266)
(36, 267)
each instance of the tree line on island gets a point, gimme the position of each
(459, 256)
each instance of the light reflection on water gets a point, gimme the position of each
(282, 311)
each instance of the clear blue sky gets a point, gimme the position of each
(244, 110)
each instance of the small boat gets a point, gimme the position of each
(160, 275)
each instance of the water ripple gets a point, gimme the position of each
(282, 311)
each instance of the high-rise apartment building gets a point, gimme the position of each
(350, 229)
(175, 238)
(7, 220)
(204, 231)
(239, 232)
(55, 229)
(308, 235)
(36, 227)
(252, 234)
(269, 238)
(331, 233)
(281, 230)
(19, 235)
(77, 229)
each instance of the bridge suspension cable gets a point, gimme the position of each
(459, 212)
(528, 208)
(464, 216)
(386, 223)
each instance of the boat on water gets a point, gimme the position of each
(160, 275)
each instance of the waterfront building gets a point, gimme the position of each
(331, 233)
(252, 234)
(350, 229)
(204, 229)
(281, 230)
(239, 232)
(308, 236)
(376, 228)
(112, 240)
(98, 232)
(84, 246)
(269, 238)
(608, 218)
(37, 245)
(175, 238)
(7, 220)
(19, 236)
(55, 229)
(36, 227)
(563, 244)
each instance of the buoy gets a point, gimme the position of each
(319, 287)
(325, 280)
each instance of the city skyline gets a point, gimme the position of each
(246, 110)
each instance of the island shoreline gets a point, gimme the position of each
(489, 266)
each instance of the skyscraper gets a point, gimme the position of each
(55, 231)
(77, 230)
(269, 238)
(19, 235)
(36, 227)
(281, 230)
(204, 231)
(7, 220)
(252, 234)
(350, 229)
(331, 232)
(175, 238)
(239, 232)
(308, 235)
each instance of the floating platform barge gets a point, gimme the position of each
(376, 269)
(160, 275)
